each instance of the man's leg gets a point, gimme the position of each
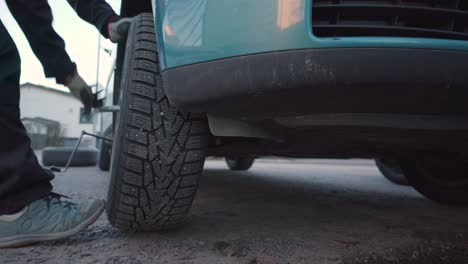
(22, 179)
(29, 211)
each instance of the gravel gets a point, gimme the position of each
(305, 211)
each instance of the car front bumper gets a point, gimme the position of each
(324, 81)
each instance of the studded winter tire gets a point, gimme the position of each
(158, 151)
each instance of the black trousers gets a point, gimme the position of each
(22, 179)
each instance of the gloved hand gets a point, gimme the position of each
(118, 30)
(81, 90)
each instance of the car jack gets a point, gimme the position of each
(67, 165)
(98, 104)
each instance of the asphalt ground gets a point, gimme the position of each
(280, 211)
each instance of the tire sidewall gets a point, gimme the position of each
(455, 195)
(239, 164)
(116, 155)
(395, 175)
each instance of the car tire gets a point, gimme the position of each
(239, 164)
(443, 180)
(158, 151)
(58, 156)
(105, 151)
(392, 171)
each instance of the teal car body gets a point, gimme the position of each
(314, 63)
(380, 79)
(195, 31)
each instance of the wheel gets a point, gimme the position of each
(239, 164)
(444, 180)
(58, 156)
(105, 151)
(158, 151)
(392, 171)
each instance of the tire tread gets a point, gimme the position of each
(163, 148)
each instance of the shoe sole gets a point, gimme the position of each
(25, 240)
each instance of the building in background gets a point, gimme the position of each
(43, 132)
(53, 117)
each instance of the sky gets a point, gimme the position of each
(81, 40)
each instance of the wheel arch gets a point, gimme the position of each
(131, 8)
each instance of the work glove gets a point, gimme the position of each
(118, 30)
(81, 91)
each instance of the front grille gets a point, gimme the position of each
(441, 19)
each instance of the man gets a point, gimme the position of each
(29, 211)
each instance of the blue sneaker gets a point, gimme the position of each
(47, 219)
